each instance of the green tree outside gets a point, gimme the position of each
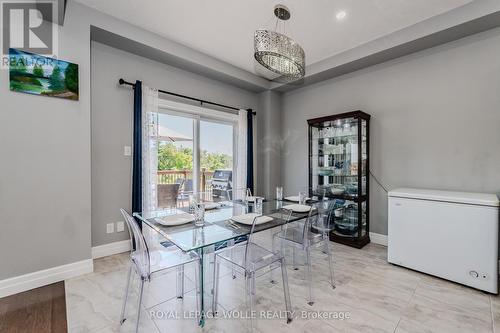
(214, 161)
(172, 158)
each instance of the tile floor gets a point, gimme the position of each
(371, 296)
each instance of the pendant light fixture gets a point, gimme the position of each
(278, 52)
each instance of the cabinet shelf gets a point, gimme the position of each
(317, 174)
(328, 154)
(347, 197)
(352, 136)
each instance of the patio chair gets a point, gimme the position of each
(167, 195)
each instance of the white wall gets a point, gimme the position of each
(435, 120)
(112, 109)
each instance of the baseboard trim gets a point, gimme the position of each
(44, 277)
(110, 249)
(378, 239)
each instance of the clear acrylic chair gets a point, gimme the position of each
(248, 259)
(151, 260)
(299, 236)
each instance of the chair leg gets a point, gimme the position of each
(232, 260)
(294, 257)
(253, 284)
(125, 298)
(180, 281)
(197, 269)
(309, 274)
(215, 297)
(249, 296)
(141, 291)
(273, 280)
(330, 262)
(286, 291)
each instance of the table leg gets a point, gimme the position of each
(201, 281)
(205, 284)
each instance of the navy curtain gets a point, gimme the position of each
(250, 184)
(137, 162)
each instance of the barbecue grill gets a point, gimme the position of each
(221, 182)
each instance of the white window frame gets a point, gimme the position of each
(198, 113)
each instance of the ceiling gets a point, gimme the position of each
(224, 28)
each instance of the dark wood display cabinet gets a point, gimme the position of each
(339, 169)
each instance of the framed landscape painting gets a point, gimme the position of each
(35, 74)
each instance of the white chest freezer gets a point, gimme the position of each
(452, 235)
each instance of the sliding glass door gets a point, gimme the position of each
(216, 153)
(192, 146)
(175, 149)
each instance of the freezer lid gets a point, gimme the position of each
(483, 199)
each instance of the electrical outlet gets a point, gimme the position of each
(127, 151)
(110, 228)
(120, 226)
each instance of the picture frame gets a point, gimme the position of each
(38, 75)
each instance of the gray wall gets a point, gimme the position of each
(268, 143)
(112, 108)
(45, 168)
(435, 120)
(45, 174)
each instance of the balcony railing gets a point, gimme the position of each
(171, 177)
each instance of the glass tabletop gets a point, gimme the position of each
(218, 226)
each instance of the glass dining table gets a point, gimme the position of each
(218, 232)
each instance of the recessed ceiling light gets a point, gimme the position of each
(341, 15)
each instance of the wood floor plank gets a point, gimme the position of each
(41, 310)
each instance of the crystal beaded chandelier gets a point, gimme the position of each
(277, 52)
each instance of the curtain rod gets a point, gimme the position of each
(123, 82)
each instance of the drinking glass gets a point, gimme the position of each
(279, 204)
(200, 215)
(242, 196)
(258, 205)
(302, 198)
(321, 192)
(192, 204)
(279, 193)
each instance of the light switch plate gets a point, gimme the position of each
(110, 228)
(127, 151)
(120, 226)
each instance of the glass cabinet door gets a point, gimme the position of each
(363, 173)
(335, 158)
(364, 155)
